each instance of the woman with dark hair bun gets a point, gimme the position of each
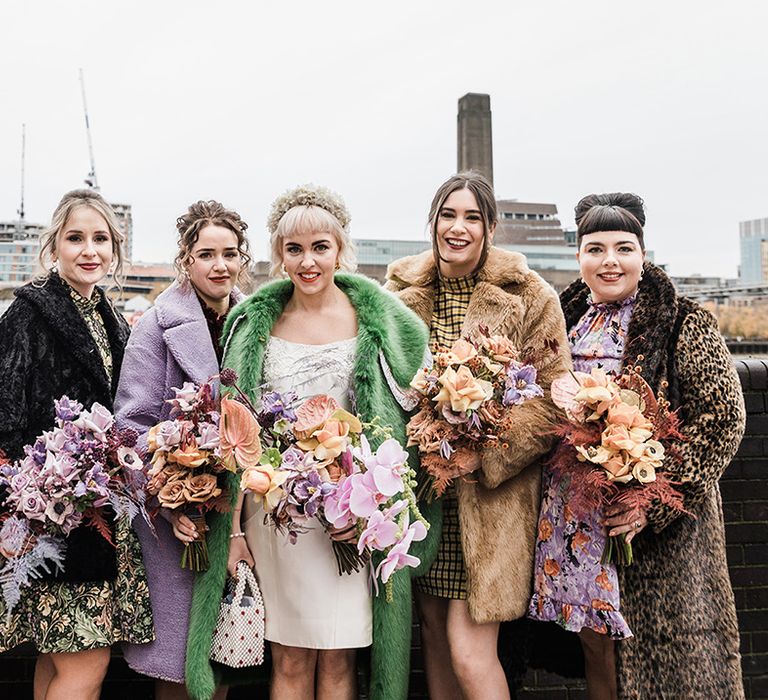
(673, 608)
(178, 341)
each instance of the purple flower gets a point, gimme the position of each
(446, 450)
(208, 438)
(337, 505)
(279, 405)
(32, 505)
(293, 459)
(521, 384)
(310, 491)
(129, 437)
(67, 410)
(98, 421)
(452, 417)
(187, 398)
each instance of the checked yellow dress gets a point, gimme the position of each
(447, 577)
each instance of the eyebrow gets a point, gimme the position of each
(206, 250)
(467, 211)
(77, 230)
(617, 243)
(322, 240)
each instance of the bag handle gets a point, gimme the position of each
(244, 576)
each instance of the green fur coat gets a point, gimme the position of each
(388, 334)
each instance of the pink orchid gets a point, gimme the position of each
(389, 468)
(337, 505)
(398, 557)
(364, 498)
(380, 533)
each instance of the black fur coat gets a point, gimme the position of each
(46, 351)
(677, 596)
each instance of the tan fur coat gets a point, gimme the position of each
(499, 505)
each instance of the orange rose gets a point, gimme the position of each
(173, 495)
(190, 456)
(545, 530)
(312, 415)
(201, 488)
(551, 567)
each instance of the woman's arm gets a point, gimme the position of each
(238, 547)
(712, 411)
(532, 434)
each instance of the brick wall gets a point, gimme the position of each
(745, 504)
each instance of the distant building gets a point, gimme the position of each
(474, 138)
(753, 242)
(19, 249)
(125, 219)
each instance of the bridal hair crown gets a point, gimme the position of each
(308, 195)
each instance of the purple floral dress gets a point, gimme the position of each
(571, 586)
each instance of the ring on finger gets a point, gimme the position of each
(637, 524)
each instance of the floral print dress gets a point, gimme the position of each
(571, 586)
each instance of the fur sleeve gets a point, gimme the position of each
(535, 419)
(18, 349)
(712, 412)
(141, 389)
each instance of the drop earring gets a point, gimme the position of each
(283, 270)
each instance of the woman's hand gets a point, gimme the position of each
(183, 527)
(238, 551)
(621, 520)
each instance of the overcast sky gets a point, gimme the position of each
(238, 101)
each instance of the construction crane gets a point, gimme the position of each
(20, 210)
(91, 180)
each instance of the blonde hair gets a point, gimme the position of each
(311, 218)
(69, 202)
(195, 219)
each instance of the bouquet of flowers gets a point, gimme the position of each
(66, 479)
(189, 463)
(318, 464)
(616, 445)
(464, 400)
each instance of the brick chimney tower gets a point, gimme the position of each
(475, 144)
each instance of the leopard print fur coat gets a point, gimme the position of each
(677, 596)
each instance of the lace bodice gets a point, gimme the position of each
(309, 370)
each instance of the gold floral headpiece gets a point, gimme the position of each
(308, 195)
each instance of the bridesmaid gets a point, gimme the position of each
(459, 286)
(61, 335)
(177, 341)
(676, 597)
(319, 330)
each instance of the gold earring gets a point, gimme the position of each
(283, 270)
(337, 266)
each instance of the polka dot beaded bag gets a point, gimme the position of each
(238, 639)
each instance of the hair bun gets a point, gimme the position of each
(625, 200)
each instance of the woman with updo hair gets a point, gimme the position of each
(62, 336)
(665, 626)
(177, 341)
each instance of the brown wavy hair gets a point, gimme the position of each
(195, 219)
(479, 186)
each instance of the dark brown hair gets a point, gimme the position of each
(202, 214)
(613, 211)
(486, 203)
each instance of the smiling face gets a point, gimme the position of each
(310, 259)
(214, 264)
(83, 250)
(459, 233)
(611, 263)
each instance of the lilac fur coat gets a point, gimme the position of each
(170, 345)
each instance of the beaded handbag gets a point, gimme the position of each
(238, 639)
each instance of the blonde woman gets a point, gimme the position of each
(62, 336)
(319, 330)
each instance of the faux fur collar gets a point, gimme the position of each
(53, 302)
(502, 267)
(185, 330)
(652, 325)
(390, 326)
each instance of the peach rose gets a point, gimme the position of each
(201, 488)
(312, 415)
(461, 352)
(462, 390)
(190, 456)
(618, 468)
(620, 413)
(419, 382)
(257, 479)
(173, 495)
(500, 348)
